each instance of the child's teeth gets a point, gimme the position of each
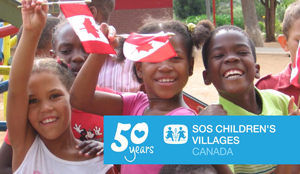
(166, 80)
(49, 120)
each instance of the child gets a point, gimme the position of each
(42, 50)
(68, 47)
(289, 42)
(230, 64)
(115, 74)
(40, 128)
(85, 126)
(188, 169)
(162, 98)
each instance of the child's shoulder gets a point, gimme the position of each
(274, 102)
(272, 81)
(273, 96)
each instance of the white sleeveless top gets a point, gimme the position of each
(39, 160)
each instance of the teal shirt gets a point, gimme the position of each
(273, 103)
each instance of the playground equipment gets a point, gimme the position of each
(11, 15)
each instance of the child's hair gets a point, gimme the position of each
(106, 7)
(187, 169)
(291, 14)
(57, 67)
(190, 37)
(55, 31)
(46, 35)
(205, 51)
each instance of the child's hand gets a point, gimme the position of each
(213, 109)
(34, 15)
(110, 32)
(291, 107)
(90, 148)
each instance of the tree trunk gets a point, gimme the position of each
(270, 6)
(251, 22)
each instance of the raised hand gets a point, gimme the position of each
(34, 15)
(109, 32)
(291, 107)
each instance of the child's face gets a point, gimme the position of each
(231, 66)
(293, 40)
(68, 47)
(49, 110)
(166, 79)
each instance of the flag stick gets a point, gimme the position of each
(62, 2)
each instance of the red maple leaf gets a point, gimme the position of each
(145, 47)
(90, 28)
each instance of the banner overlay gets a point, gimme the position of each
(201, 140)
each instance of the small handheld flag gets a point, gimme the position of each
(81, 19)
(148, 47)
(295, 70)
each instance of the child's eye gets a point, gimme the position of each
(53, 96)
(65, 51)
(243, 52)
(32, 101)
(218, 56)
(175, 58)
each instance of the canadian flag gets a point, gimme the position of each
(296, 67)
(148, 47)
(81, 19)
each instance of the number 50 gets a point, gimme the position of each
(140, 128)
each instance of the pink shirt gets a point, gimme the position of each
(279, 82)
(118, 76)
(135, 104)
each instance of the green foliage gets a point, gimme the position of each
(278, 27)
(260, 10)
(185, 8)
(262, 26)
(194, 19)
(281, 7)
(220, 20)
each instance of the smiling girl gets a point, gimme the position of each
(163, 82)
(38, 108)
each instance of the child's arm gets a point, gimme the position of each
(83, 95)
(21, 133)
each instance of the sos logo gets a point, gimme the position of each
(138, 135)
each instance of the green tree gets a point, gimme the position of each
(186, 8)
(270, 7)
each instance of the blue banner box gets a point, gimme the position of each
(201, 140)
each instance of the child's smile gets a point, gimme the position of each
(233, 74)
